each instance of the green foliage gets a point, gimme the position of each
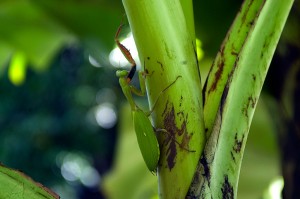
(15, 184)
(40, 29)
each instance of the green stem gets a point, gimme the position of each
(167, 50)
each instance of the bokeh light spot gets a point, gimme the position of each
(94, 62)
(106, 116)
(274, 190)
(76, 167)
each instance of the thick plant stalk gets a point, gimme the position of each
(222, 157)
(167, 50)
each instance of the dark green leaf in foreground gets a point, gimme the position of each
(15, 185)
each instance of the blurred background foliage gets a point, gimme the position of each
(62, 120)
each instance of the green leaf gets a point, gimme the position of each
(25, 28)
(15, 185)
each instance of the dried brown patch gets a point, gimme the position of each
(170, 126)
(227, 189)
(218, 74)
(250, 103)
(238, 144)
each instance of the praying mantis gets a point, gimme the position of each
(145, 132)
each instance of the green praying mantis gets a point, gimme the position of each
(145, 132)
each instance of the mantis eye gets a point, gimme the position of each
(121, 73)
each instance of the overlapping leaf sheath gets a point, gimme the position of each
(231, 94)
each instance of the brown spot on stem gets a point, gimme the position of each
(253, 102)
(170, 126)
(244, 17)
(238, 144)
(161, 65)
(234, 53)
(217, 75)
(232, 156)
(251, 23)
(227, 189)
(174, 132)
(250, 103)
(180, 101)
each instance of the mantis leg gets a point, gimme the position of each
(126, 53)
(123, 49)
(160, 93)
(142, 90)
